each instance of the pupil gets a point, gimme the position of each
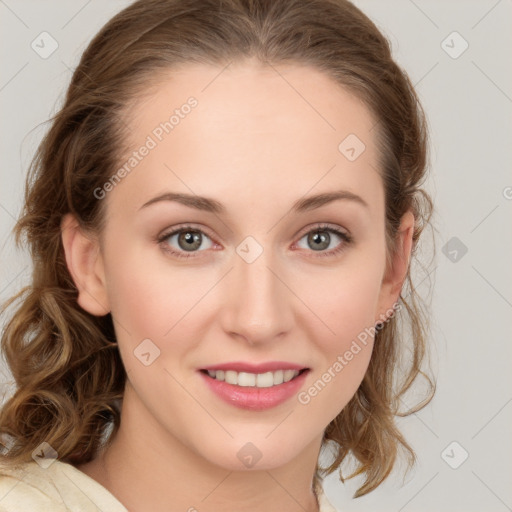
(320, 241)
(192, 240)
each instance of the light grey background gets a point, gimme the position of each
(468, 100)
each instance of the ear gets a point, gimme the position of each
(397, 268)
(85, 264)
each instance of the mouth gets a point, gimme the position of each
(255, 387)
(243, 379)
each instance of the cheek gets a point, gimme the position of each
(147, 296)
(348, 350)
(152, 303)
(345, 302)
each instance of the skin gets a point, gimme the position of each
(256, 145)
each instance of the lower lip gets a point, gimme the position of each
(253, 398)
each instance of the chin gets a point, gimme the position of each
(246, 455)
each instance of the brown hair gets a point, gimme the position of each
(65, 362)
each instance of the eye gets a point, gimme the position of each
(325, 240)
(185, 239)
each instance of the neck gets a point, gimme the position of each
(146, 468)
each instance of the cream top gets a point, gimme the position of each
(63, 488)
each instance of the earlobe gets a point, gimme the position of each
(396, 272)
(85, 264)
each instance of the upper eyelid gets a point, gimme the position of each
(323, 226)
(173, 231)
(319, 226)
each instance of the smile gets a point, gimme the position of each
(255, 390)
(258, 380)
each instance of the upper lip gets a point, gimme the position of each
(270, 366)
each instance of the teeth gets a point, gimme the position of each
(264, 380)
(278, 377)
(259, 380)
(289, 374)
(230, 376)
(246, 379)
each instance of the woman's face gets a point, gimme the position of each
(261, 273)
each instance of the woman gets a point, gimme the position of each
(222, 219)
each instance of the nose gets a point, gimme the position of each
(258, 304)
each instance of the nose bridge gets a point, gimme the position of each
(258, 306)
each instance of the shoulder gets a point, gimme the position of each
(28, 487)
(59, 487)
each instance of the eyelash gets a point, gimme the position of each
(347, 240)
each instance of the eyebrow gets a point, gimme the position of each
(211, 205)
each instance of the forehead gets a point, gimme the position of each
(254, 131)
